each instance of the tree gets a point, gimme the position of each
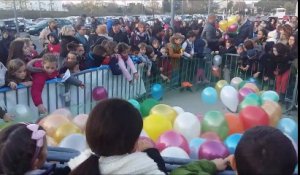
(290, 8)
(268, 5)
(239, 6)
(230, 6)
(166, 6)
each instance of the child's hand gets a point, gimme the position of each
(12, 85)
(148, 73)
(136, 76)
(221, 164)
(82, 86)
(28, 83)
(42, 109)
(275, 72)
(161, 69)
(256, 74)
(266, 78)
(7, 117)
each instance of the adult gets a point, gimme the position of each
(51, 28)
(158, 33)
(81, 36)
(285, 32)
(116, 33)
(209, 33)
(293, 47)
(81, 20)
(100, 35)
(67, 36)
(4, 46)
(19, 49)
(245, 28)
(94, 24)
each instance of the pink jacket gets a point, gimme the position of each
(124, 69)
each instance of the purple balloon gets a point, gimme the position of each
(99, 93)
(212, 150)
(172, 138)
(233, 28)
(244, 92)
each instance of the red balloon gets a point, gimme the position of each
(213, 150)
(99, 93)
(211, 136)
(252, 116)
(233, 28)
(172, 138)
(216, 71)
(244, 92)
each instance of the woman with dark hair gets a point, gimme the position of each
(4, 46)
(112, 132)
(293, 47)
(18, 49)
(168, 34)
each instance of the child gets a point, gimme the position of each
(261, 39)
(54, 45)
(145, 59)
(119, 62)
(229, 47)
(95, 57)
(4, 115)
(71, 57)
(28, 158)
(156, 46)
(243, 62)
(115, 156)
(110, 47)
(165, 66)
(32, 48)
(139, 35)
(19, 49)
(17, 74)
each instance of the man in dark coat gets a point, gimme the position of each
(4, 46)
(209, 33)
(245, 28)
(116, 33)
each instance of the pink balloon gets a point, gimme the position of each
(99, 93)
(211, 136)
(212, 150)
(233, 28)
(244, 92)
(172, 138)
(80, 121)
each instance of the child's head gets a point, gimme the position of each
(293, 40)
(262, 34)
(248, 45)
(141, 27)
(142, 47)
(229, 42)
(123, 49)
(149, 51)
(155, 44)
(50, 63)
(134, 50)
(191, 36)
(177, 38)
(163, 51)
(280, 49)
(53, 38)
(112, 129)
(17, 68)
(72, 46)
(80, 50)
(110, 47)
(18, 49)
(240, 49)
(20, 152)
(99, 50)
(72, 56)
(269, 47)
(265, 150)
(73, 66)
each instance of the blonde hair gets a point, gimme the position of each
(66, 29)
(14, 65)
(101, 29)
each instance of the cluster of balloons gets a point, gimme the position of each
(230, 25)
(65, 131)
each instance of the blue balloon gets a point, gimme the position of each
(232, 141)
(157, 91)
(289, 127)
(209, 96)
(195, 146)
(135, 103)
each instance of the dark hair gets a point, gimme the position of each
(190, 34)
(99, 50)
(109, 46)
(49, 57)
(296, 40)
(149, 50)
(264, 31)
(16, 50)
(281, 49)
(17, 149)
(122, 47)
(113, 128)
(248, 44)
(269, 46)
(230, 41)
(72, 46)
(265, 150)
(78, 27)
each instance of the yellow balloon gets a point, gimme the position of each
(164, 111)
(52, 122)
(220, 84)
(154, 126)
(251, 86)
(223, 25)
(51, 141)
(65, 130)
(273, 110)
(232, 20)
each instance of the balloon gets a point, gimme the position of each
(52, 122)
(188, 125)
(223, 25)
(235, 124)
(211, 136)
(251, 86)
(252, 80)
(209, 96)
(229, 97)
(232, 28)
(212, 150)
(254, 97)
(232, 141)
(172, 138)
(252, 116)
(195, 146)
(144, 143)
(147, 105)
(80, 121)
(23, 113)
(174, 152)
(215, 121)
(216, 71)
(157, 91)
(99, 93)
(164, 111)
(51, 141)
(217, 60)
(232, 20)
(200, 117)
(154, 126)
(250, 101)
(74, 141)
(235, 82)
(243, 92)
(135, 103)
(220, 84)
(289, 127)
(178, 109)
(273, 110)
(63, 111)
(270, 95)
(65, 130)
(242, 84)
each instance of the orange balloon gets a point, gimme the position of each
(52, 122)
(216, 72)
(235, 124)
(80, 121)
(273, 110)
(65, 130)
(252, 86)
(51, 141)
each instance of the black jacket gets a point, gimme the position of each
(119, 37)
(210, 35)
(245, 31)
(65, 40)
(93, 60)
(4, 46)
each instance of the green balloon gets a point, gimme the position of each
(7, 124)
(242, 84)
(147, 105)
(255, 97)
(135, 103)
(215, 121)
(270, 95)
(250, 101)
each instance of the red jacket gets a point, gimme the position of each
(38, 82)
(54, 48)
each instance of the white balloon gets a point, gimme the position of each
(188, 125)
(174, 152)
(74, 141)
(229, 97)
(144, 134)
(178, 109)
(235, 82)
(63, 111)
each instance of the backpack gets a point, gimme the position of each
(2, 74)
(114, 65)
